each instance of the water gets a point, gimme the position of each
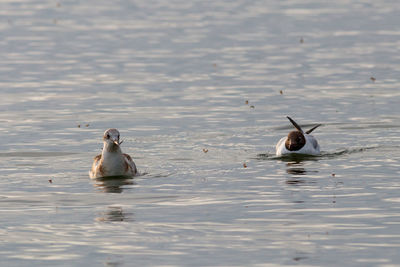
(174, 78)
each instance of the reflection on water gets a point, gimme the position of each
(115, 214)
(295, 181)
(114, 184)
(296, 169)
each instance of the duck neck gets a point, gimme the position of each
(111, 149)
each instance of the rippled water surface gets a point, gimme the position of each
(199, 91)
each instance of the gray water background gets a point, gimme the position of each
(174, 78)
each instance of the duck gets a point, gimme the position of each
(298, 142)
(112, 162)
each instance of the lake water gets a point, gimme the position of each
(174, 78)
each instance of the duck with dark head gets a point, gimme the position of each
(298, 142)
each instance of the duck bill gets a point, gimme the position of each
(115, 141)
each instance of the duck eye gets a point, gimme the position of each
(108, 136)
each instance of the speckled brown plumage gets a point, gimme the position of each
(112, 162)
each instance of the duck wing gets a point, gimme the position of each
(295, 124)
(313, 128)
(130, 165)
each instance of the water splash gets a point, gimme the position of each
(324, 155)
